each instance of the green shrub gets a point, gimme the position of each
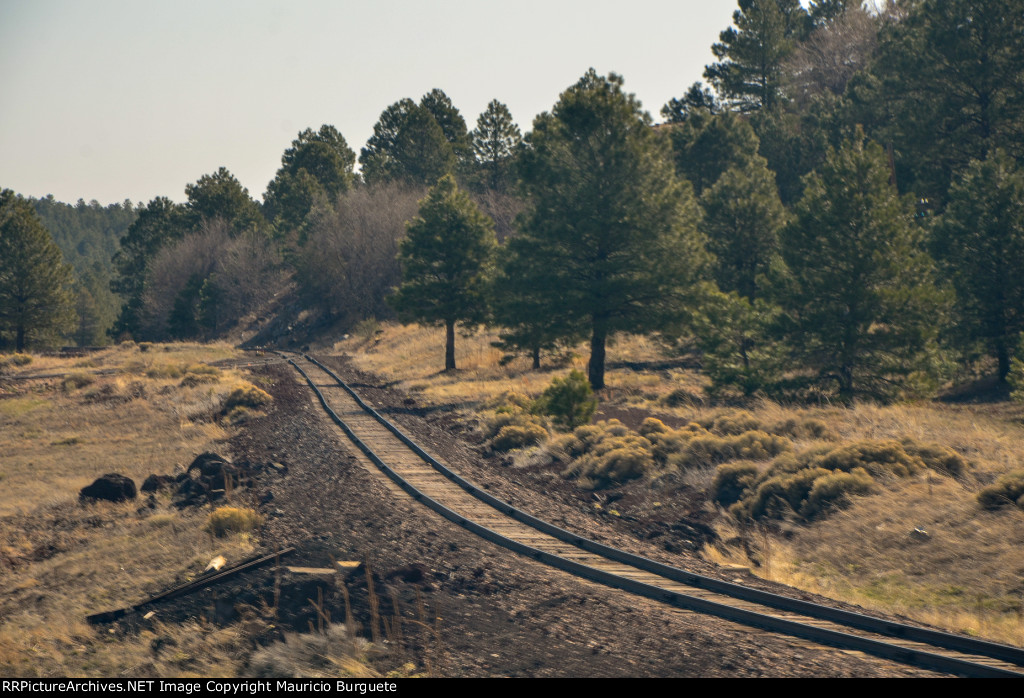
(518, 436)
(225, 520)
(246, 395)
(1007, 490)
(569, 401)
(203, 370)
(731, 481)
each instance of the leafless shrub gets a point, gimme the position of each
(348, 263)
(832, 54)
(230, 276)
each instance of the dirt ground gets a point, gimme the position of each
(489, 612)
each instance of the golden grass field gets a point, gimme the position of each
(62, 424)
(967, 575)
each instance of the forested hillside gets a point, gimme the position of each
(835, 213)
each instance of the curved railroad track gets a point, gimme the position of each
(412, 470)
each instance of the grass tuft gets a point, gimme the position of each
(225, 520)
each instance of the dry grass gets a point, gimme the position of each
(60, 560)
(413, 355)
(965, 576)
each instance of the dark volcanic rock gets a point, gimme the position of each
(112, 487)
(155, 483)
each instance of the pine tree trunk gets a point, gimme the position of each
(19, 342)
(596, 367)
(449, 345)
(536, 358)
(1003, 356)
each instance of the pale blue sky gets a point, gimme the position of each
(111, 99)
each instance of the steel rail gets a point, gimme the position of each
(190, 587)
(823, 635)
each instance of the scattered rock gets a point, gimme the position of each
(411, 574)
(155, 483)
(112, 487)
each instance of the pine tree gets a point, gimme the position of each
(863, 304)
(407, 145)
(949, 78)
(446, 262)
(611, 223)
(318, 165)
(749, 74)
(161, 222)
(35, 284)
(453, 126)
(495, 141)
(706, 145)
(742, 219)
(221, 195)
(527, 302)
(979, 241)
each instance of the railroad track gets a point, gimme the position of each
(409, 468)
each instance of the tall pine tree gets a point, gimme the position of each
(863, 305)
(446, 263)
(748, 75)
(35, 284)
(980, 243)
(611, 223)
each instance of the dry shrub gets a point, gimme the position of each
(513, 436)
(703, 451)
(225, 520)
(732, 423)
(191, 380)
(1007, 490)
(512, 425)
(604, 454)
(732, 480)
(246, 395)
(736, 422)
(811, 482)
(158, 371)
(652, 426)
(939, 458)
(347, 260)
(805, 429)
(612, 461)
(14, 361)
(75, 380)
(239, 415)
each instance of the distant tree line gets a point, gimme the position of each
(837, 212)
